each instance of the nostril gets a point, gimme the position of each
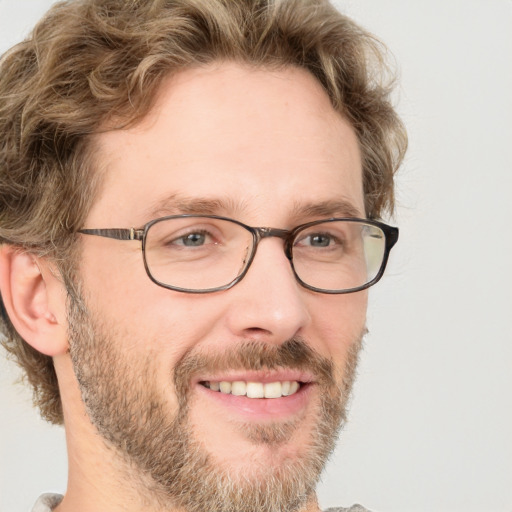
(252, 331)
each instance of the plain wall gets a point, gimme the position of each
(431, 419)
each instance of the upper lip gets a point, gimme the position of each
(258, 376)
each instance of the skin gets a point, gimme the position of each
(268, 146)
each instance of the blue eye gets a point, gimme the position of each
(319, 240)
(192, 240)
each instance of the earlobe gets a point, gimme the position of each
(34, 299)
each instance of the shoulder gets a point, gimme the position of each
(47, 502)
(353, 508)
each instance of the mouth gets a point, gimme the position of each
(257, 396)
(251, 389)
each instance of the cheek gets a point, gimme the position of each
(340, 322)
(150, 321)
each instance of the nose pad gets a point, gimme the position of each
(269, 302)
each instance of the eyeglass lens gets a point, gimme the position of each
(201, 253)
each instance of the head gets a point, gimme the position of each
(265, 112)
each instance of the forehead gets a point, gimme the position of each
(244, 141)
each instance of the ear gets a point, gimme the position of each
(35, 300)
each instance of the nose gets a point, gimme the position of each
(268, 304)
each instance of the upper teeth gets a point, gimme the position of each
(255, 389)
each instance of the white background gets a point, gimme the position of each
(431, 421)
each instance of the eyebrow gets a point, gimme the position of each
(179, 204)
(330, 208)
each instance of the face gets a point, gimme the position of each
(267, 149)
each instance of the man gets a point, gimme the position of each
(189, 200)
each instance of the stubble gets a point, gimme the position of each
(171, 467)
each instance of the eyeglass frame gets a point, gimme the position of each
(258, 234)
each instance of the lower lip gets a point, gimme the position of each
(261, 409)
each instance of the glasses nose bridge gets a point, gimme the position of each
(284, 234)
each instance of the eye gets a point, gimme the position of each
(317, 240)
(193, 239)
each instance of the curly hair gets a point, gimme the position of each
(92, 62)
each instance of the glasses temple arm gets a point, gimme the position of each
(117, 234)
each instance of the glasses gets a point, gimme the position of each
(208, 253)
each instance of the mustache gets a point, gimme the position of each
(293, 354)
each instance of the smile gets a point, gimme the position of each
(250, 389)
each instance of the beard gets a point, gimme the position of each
(171, 466)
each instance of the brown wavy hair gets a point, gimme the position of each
(92, 62)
